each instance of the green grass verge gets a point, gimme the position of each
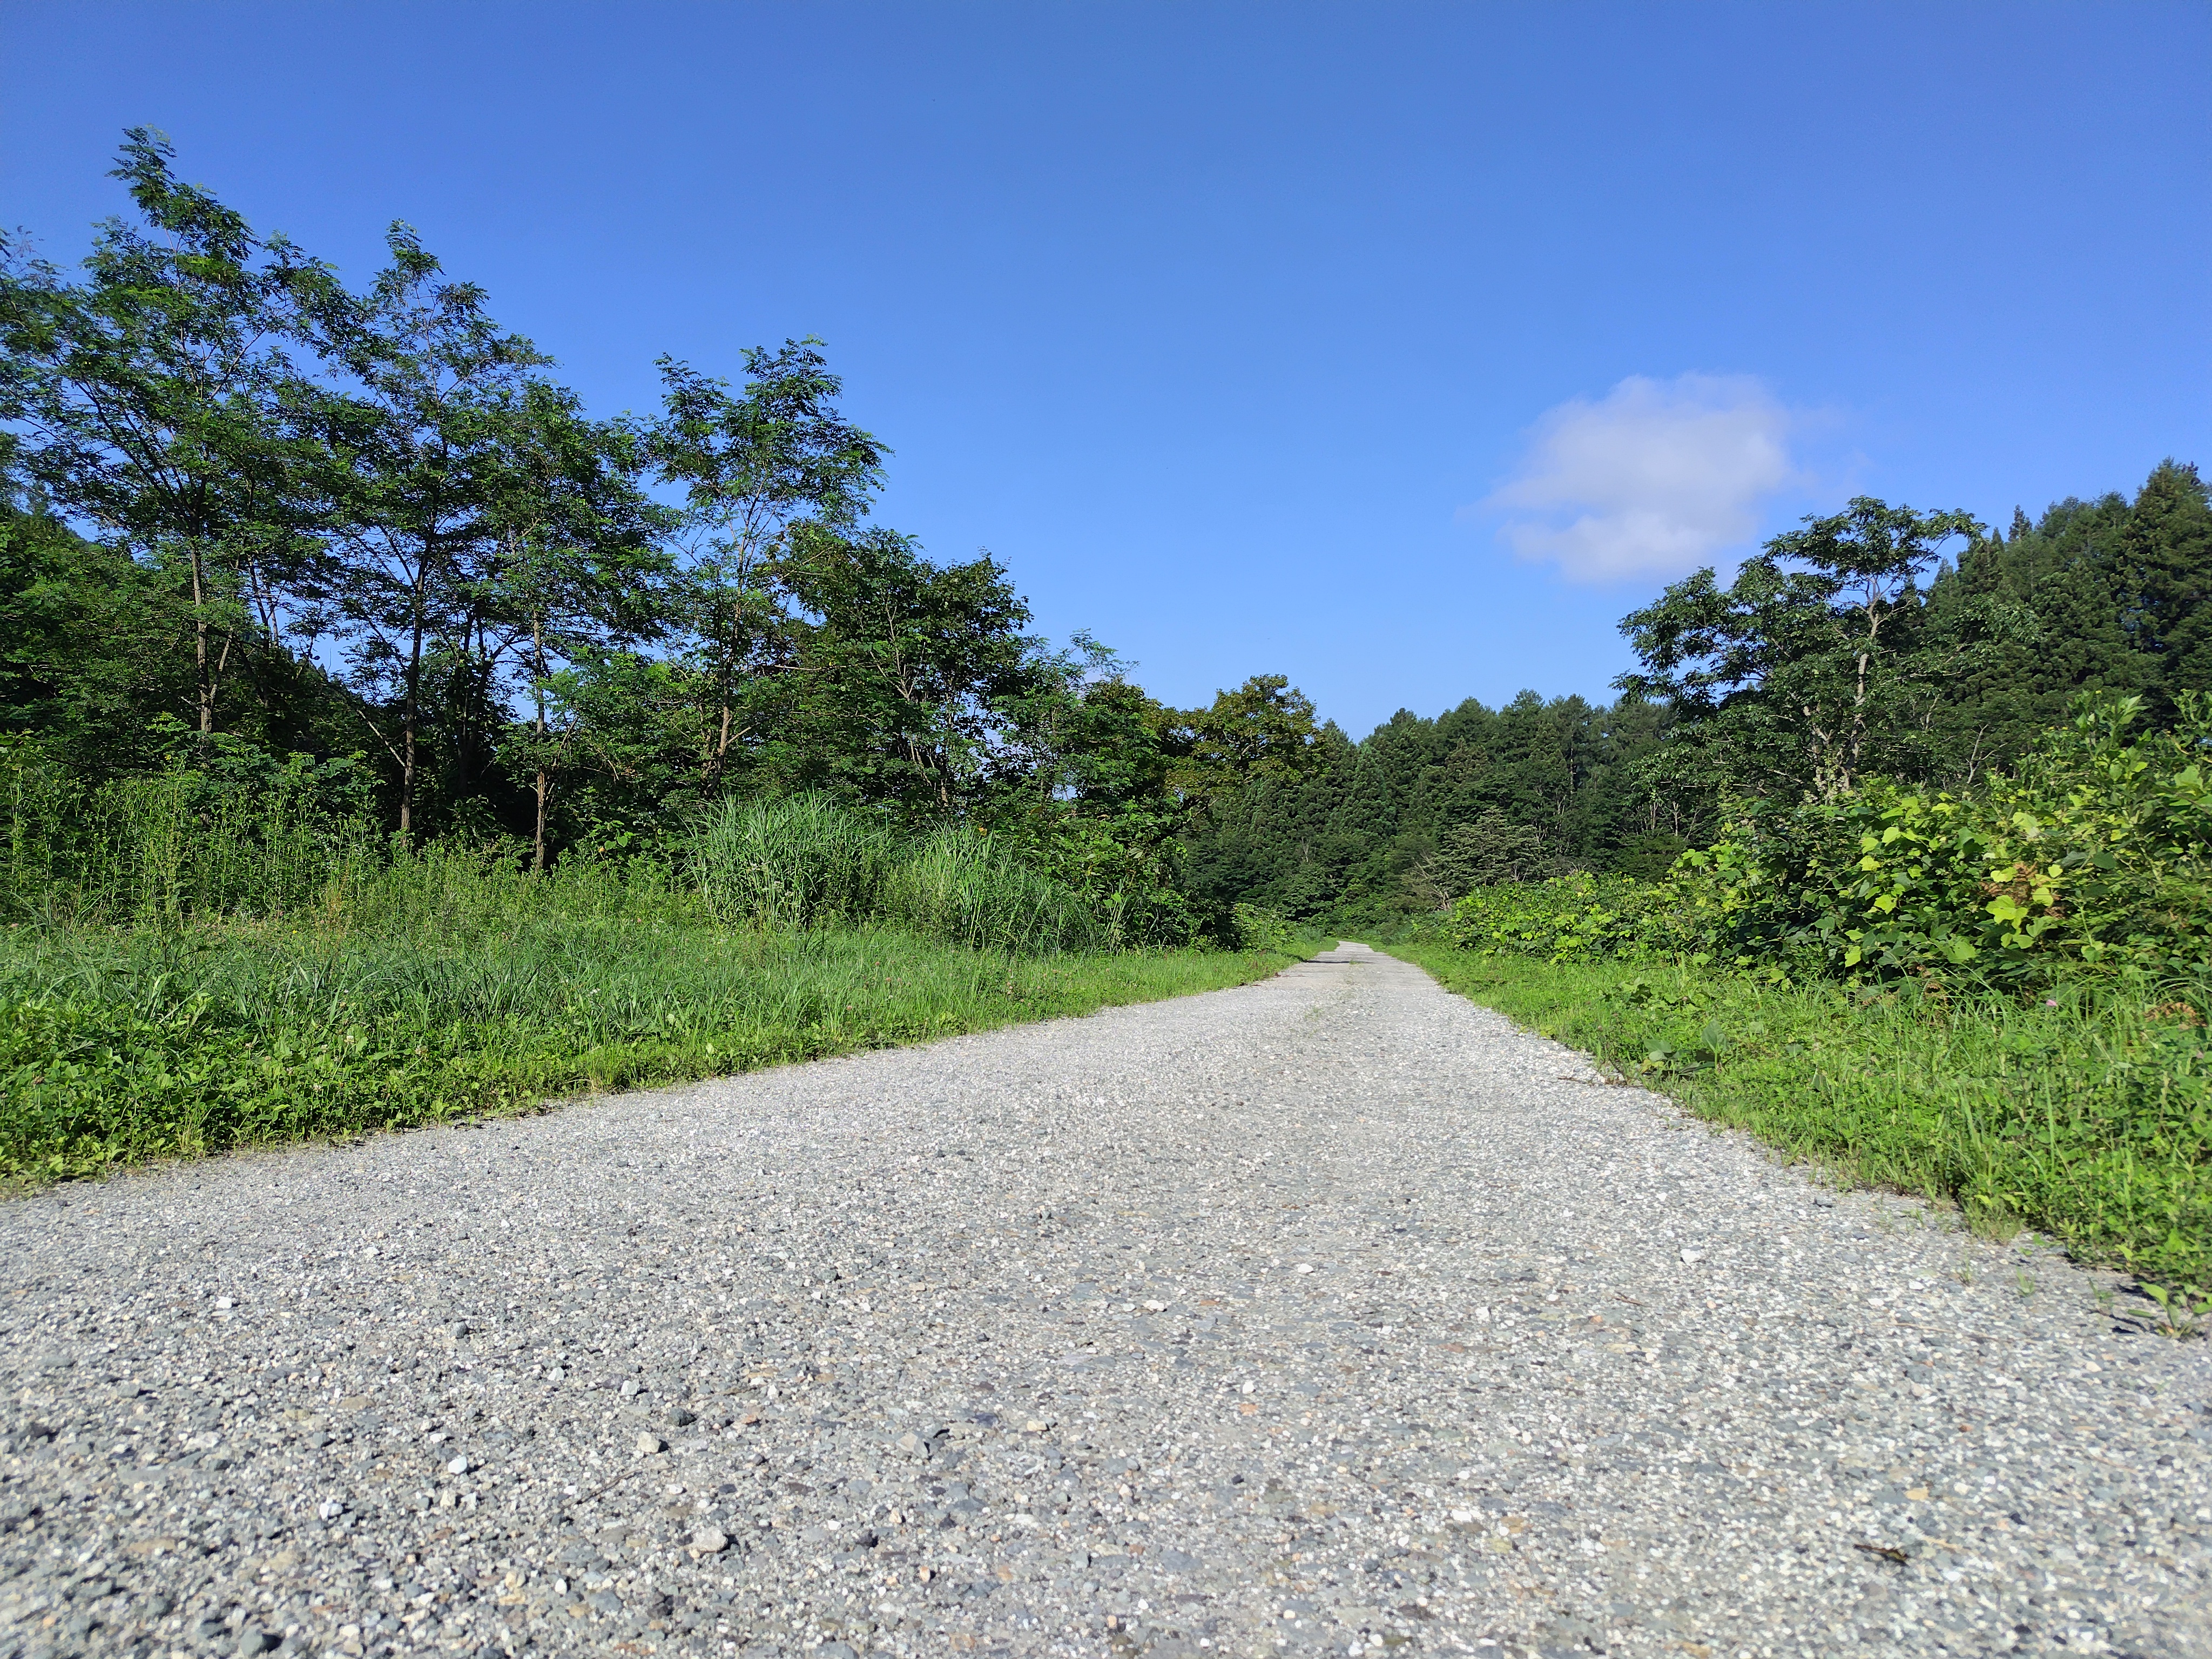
(2087, 1117)
(121, 1045)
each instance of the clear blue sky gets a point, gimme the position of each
(1345, 342)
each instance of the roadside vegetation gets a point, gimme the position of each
(251, 995)
(2084, 1116)
(385, 737)
(1997, 1001)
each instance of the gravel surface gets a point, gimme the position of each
(1329, 1314)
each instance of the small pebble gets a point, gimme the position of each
(1336, 1321)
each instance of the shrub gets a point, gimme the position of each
(2095, 856)
(1568, 918)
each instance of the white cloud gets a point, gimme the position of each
(1656, 478)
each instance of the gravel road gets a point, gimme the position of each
(1328, 1314)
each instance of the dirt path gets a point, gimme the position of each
(1330, 1313)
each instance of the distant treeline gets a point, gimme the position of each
(1916, 647)
(357, 551)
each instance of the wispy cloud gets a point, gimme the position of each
(1653, 479)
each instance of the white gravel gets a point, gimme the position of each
(1328, 1314)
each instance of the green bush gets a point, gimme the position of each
(1566, 919)
(2094, 857)
(956, 885)
(228, 833)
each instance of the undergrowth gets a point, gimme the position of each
(209, 959)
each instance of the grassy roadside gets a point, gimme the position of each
(117, 1046)
(2087, 1116)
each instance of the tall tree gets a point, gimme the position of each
(421, 432)
(2122, 592)
(908, 678)
(581, 575)
(147, 398)
(754, 466)
(2167, 547)
(1814, 667)
(1261, 732)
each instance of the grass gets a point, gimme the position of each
(189, 964)
(804, 861)
(122, 1045)
(2087, 1116)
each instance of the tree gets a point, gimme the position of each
(420, 436)
(1482, 852)
(1813, 668)
(2166, 553)
(148, 402)
(580, 577)
(906, 676)
(753, 467)
(2121, 592)
(86, 646)
(1262, 732)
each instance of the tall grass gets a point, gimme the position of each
(792, 864)
(184, 847)
(173, 846)
(186, 967)
(804, 862)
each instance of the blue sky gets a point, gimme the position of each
(1400, 349)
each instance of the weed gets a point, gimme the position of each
(2181, 1313)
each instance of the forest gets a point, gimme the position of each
(388, 736)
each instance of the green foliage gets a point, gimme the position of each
(478, 990)
(1485, 852)
(1255, 929)
(2095, 856)
(148, 402)
(2086, 1114)
(1565, 918)
(1261, 732)
(800, 862)
(1364, 833)
(240, 492)
(223, 829)
(1820, 664)
(791, 864)
(2120, 589)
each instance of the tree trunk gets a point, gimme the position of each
(204, 679)
(409, 710)
(544, 777)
